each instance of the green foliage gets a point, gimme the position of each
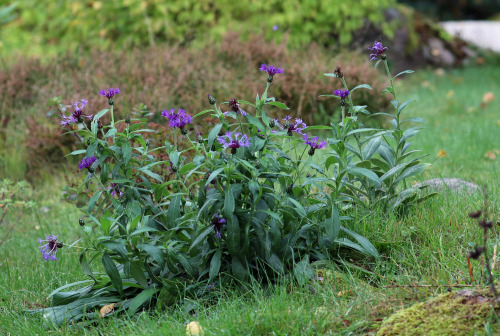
(125, 23)
(249, 205)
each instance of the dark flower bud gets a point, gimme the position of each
(383, 57)
(270, 79)
(311, 151)
(308, 175)
(111, 101)
(257, 164)
(191, 196)
(199, 138)
(475, 214)
(233, 150)
(289, 133)
(81, 222)
(289, 188)
(91, 170)
(272, 123)
(127, 120)
(148, 143)
(213, 148)
(99, 124)
(338, 72)
(287, 124)
(59, 245)
(342, 102)
(211, 100)
(89, 140)
(174, 168)
(183, 131)
(476, 253)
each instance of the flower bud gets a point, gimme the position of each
(383, 57)
(59, 245)
(81, 222)
(289, 189)
(233, 150)
(308, 175)
(213, 148)
(191, 196)
(174, 168)
(183, 131)
(270, 79)
(111, 101)
(311, 151)
(148, 143)
(199, 138)
(272, 123)
(338, 72)
(127, 120)
(211, 100)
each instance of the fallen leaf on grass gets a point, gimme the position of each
(106, 310)
(490, 155)
(488, 97)
(450, 93)
(441, 153)
(194, 329)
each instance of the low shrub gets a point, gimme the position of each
(252, 202)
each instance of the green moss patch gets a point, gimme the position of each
(457, 313)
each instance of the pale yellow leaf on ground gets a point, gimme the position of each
(488, 97)
(194, 329)
(441, 153)
(490, 155)
(106, 310)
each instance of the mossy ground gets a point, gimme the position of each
(456, 313)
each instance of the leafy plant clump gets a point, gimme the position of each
(259, 198)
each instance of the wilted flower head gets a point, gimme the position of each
(87, 162)
(177, 119)
(77, 115)
(109, 93)
(235, 107)
(218, 222)
(49, 249)
(314, 143)
(234, 141)
(342, 93)
(378, 50)
(271, 69)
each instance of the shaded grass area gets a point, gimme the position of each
(427, 247)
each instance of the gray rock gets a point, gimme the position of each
(451, 184)
(436, 52)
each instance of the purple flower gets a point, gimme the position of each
(235, 107)
(218, 222)
(177, 119)
(110, 93)
(298, 126)
(314, 143)
(341, 93)
(115, 190)
(378, 50)
(239, 140)
(77, 115)
(87, 162)
(49, 249)
(275, 27)
(271, 70)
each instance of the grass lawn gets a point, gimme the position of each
(428, 247)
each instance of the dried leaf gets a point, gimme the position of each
(488, 97)
(441, 153)
(194, 329)
(106, 310)
(490, 155)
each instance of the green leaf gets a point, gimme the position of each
(127, 152)
(93, 200)
(404, 195)
(215, 265)
(411, 171)
(303, 271)
(213, 134)
(404, 72)
(112, 272)
(214, 174)
(137, 273)
(278, 104)
(371, 148)
(77, 152)
(154, 252)
(367, 173)
(332, 224)
(84, 264)
(202, 113)
(254, 121)
(402, 106)
(365, 243)
(362, 86)
(387, 155)
(394, 171)
(174, 211)
(319, 127)
(143, 297)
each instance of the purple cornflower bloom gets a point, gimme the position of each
(298, 126)
(115, 190)
(275, 27)
(271, 70)
(87, 162)
(49, 249)
(239, 140)
(77, 115)
(218, 222)
(177, 119)
(314, 143)
(342, 93)
(235, 107)
(109, 93)
(378, 50)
